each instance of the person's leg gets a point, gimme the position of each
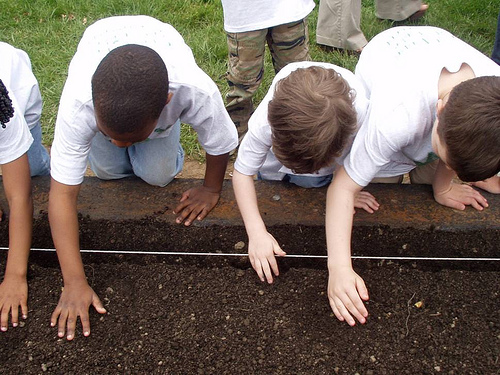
(288, 43)
(496, 48)
(245, 71)
(37, 154)
(158, 161)
(424, 174)
(107, 161)
(339, 24)
(387, 180)
(400, 10)
(308, 181)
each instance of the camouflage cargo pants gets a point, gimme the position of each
(287, 43)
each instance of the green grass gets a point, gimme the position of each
(49, 32)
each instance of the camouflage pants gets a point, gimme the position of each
(287, 43)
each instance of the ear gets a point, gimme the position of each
(169, 97)
(439, 106)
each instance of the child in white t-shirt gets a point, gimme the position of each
(434, 113)
(20, 149)
(131, 83)
(298, 134)
(249, 25)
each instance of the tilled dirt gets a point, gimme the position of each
(169, 316)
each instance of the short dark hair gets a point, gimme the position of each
(469, 127)
(130, 88)
(6, 109)
(312, 117)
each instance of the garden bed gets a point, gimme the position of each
(211, 315)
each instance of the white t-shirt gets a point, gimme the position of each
(196, 99)
(16, 75)
(400, 69)
(255, 153)
(249, 15)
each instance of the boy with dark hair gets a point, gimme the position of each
(430, 116)
(21, 155)
(130, 84)
(298, 134)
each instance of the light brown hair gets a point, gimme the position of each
(312, 118)
(469, 127)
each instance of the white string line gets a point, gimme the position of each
(175, 253)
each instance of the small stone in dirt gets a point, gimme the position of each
(240, 273)
(109, 290)
(44, 367)
(276, 197)
(261, 292)
(239, 245)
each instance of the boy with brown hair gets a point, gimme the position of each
(434, 113)
(298, 134)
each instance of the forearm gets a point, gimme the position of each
(442, 179)
(246, 198)
(63, 220)
(17, 184)
(339, 218)
(20, 229)
(215, 171)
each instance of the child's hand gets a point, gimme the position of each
(195, 204)
(13, 294)
(459, 195)
(491, 185)
(73, 303)
(366, 201)
(261, 251)
(346, 293)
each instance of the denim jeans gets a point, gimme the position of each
(37, 154)
(156, 161)
(304, 181)
(308, 181)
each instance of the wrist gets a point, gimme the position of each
(75, 281)
(212, 189)
(335, 263)
(256, 230)
(17, 275)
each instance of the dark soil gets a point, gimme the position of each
(211, 315)
(177, 315)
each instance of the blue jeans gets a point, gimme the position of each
(496, 48)
(308, 181)
(37, 154)
(156, 161)
(304, 181)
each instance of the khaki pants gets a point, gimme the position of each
(423, 174)
(287, 43)
(339, 20)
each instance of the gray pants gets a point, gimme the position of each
(339, 20)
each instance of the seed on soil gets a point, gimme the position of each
(239, 245)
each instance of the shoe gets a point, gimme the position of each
(349, 52)
(415, 16)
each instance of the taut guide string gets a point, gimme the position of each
(175, 253)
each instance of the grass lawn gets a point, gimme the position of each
(49, 31)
